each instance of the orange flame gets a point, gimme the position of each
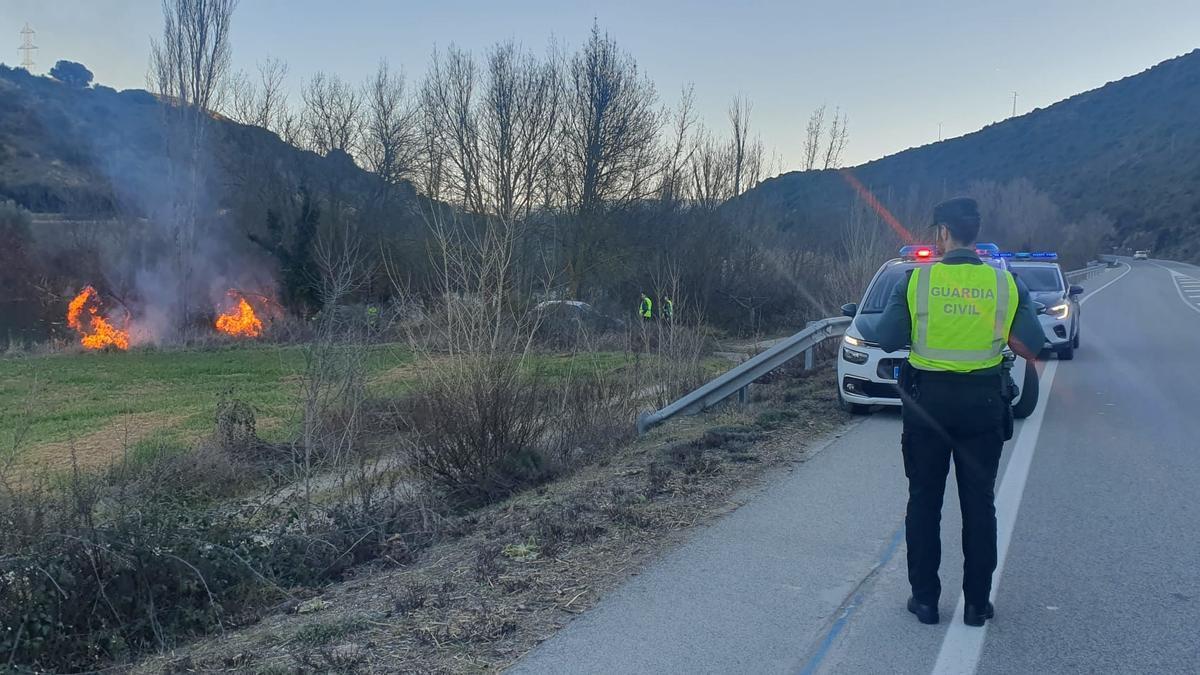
(83, 315)
(240, 321)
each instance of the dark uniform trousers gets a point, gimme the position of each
(959, 416)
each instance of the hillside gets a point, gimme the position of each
(94, 151)
(1129, 149)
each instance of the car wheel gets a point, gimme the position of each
(1066, 353)
(1075, 340)
(1029, 394)
(853, 408)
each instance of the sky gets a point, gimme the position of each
(897, 68)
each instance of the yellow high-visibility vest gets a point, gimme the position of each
(961, 316)
(647, 309)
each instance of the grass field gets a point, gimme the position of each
(99, 406)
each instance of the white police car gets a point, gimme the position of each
(867, 375)
(1047, 285)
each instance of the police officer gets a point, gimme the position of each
(646, 308)
(668, 309)
(957, 315)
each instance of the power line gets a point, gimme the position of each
(27, 47)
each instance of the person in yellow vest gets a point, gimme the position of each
(646, 309)
(955, 315)
(668, 309)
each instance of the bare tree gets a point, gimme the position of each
(712, 171)
(739, 120)
(191, 62)
(838, 138)
(389, 136)
(679, 150)
(332, 115)
(610, 126)
(261, 103)
(609, 150)
(448, 94)
(431, 163)
(517, 116)
(188, 68)
(812, 138)
(755, 164)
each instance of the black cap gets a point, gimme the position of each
(961, 216)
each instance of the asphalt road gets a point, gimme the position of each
(1099, 509)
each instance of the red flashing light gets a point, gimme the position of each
(924, 253)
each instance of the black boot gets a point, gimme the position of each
(925, 613)
(977, 615)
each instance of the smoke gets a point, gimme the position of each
(176, 249)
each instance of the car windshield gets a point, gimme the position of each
(881, 290)
(1039, 278)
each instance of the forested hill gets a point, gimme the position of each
(1129, 149)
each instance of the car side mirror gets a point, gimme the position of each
(1075, 290)
(1041, 309)
(850, 309)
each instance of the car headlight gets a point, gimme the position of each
(1060, 311)
(854, 356)
(852, 341)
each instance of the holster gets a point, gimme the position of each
(909, 382)
(1008, 393)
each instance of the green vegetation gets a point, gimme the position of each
(148, 402)
(156, 397)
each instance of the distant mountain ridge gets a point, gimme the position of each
(1129, 149)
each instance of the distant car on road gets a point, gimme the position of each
(1141, 255)
(1048, 285)
(867, 375)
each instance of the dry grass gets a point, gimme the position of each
(114, 442)
(509, 575)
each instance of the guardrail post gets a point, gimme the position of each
(742, 394)
(808, 353)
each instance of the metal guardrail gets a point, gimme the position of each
(740, 377)
(743, 375)
(1087, 272)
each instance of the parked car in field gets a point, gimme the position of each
(567, 320)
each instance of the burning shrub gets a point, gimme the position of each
(96, 332)
(240, 321)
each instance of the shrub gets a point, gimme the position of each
(477, 429)
(71, 73)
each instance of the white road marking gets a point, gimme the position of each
(1179, 290)
(963, 644)
(1179, 278)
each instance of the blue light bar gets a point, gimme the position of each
(1022, 254)
(1044, 255)
(1004, 254)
